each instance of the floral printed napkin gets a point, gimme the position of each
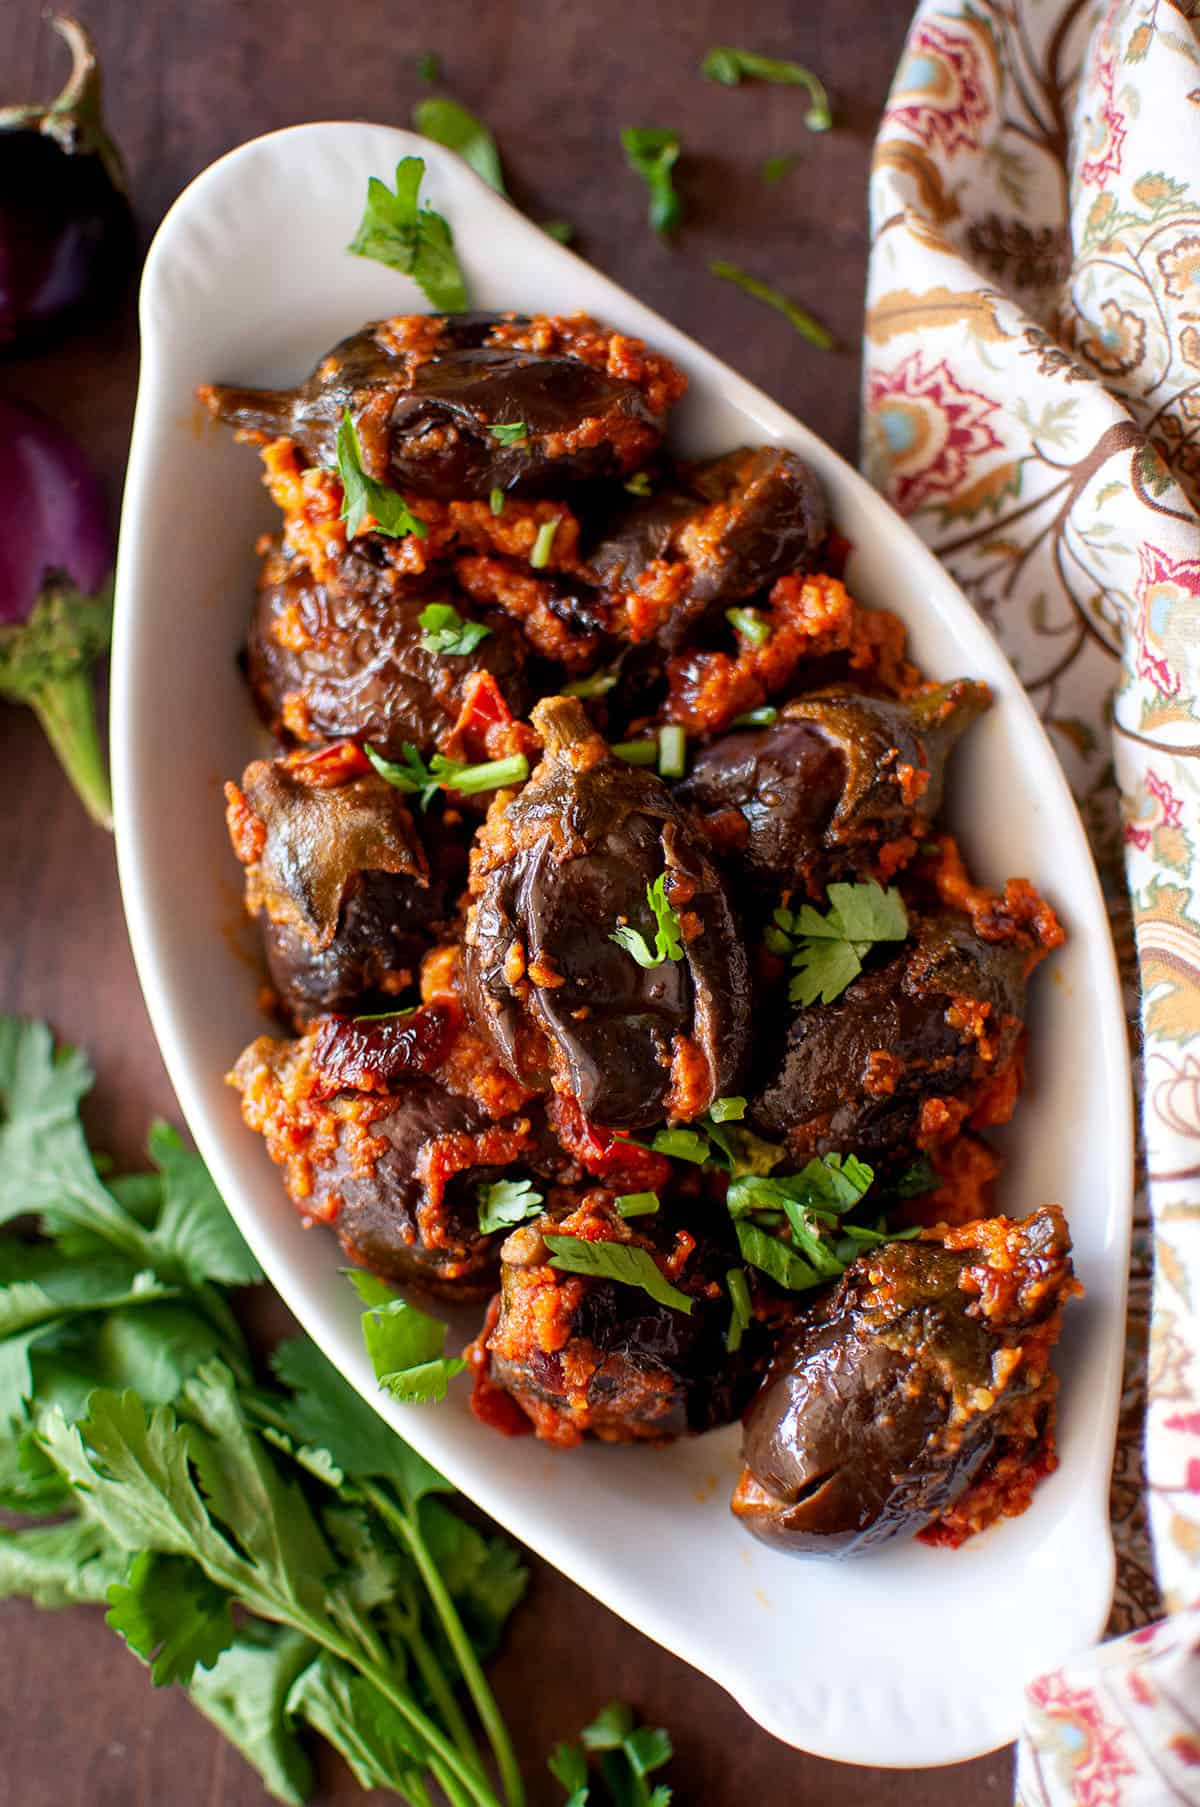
(1032, 404)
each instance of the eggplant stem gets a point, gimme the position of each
(66, 708)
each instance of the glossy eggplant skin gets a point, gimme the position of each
(556, 869)
(424, 414)
(857, 1072)
(739, 522)
(836, 776)
(885, 1402)
(339, 884)
(347, 659)
(582, 1355)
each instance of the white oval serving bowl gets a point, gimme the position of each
(911, 1656)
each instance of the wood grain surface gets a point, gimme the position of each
(186, 80)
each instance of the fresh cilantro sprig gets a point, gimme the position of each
(827, 951)
(507, 1202)
(653, 152)
(407, 1347)
(271, 1547)
(628, 1754)
(729, 66)
(363, 496)
(450, 123)
(668, 944)
(741, 1311)
(397, 231)
(617, 1261)
(444, 630)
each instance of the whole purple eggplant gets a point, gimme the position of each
(56, 556)
(66, 230)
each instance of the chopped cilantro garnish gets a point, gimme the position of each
(388, 1016)
(599, 684)
(667, 943)
(448, 122)
(496, 501)
(415, 240)
(406, 1345)
(543, 545)
(636, 752)
(429, 67)
(653, 153)
(682, 1145)
(774, 169)
(637, 1204)
(757, 718)
(672, 751)
(561, 231)
(617, 1261)
(728, 66)
(829, 1185)
(414, 777)
(639, 484)
(728, 1110)
(827, 951)
(362, 495)
(778, 1259)
(804, 322)
(507, 1202)
(741, 1313)
(509, 432)
(922, 1176)
(446, 631)
(751, 624)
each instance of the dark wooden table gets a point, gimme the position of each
(187, 79)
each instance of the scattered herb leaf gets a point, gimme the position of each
(774, 169)
(618, 1261)
(509, 432)
(639, 484)
(429, 67)
(507, 1202)
(729, 66)
(682, 1145)
(415, 240)
(405, 1344)
(805, 324)
(363, 496)
(827, 951)
(561, 231)
(921, 1177)
(653, 152)
(448, 122)
(667, 942)
(446, 631)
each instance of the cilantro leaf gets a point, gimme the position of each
(610, 1728)
(380, 1748)
(774, 169)
(568, 1765)
(483, 1573)
(728, 66)
(921, 1177)
(245, 1696)
(326, 1411)
(414, 777)
(509, 432)
(775, 1258)
(65, 1564)
(429, 66)
(194, 1224)
(446, 631)
(667, 942)
(410, 775)
(829, 949)
(363, 496)
(561, 231)
(507, 1202)
(617, 1261)
(448, 122)
(405, 1344)
(741, 1314)
(415, 240)
(805, 324)
(682, 1145)
(653, 152)
(171, 1615)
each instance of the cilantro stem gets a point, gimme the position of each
(404, 1525)
(66, 708)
